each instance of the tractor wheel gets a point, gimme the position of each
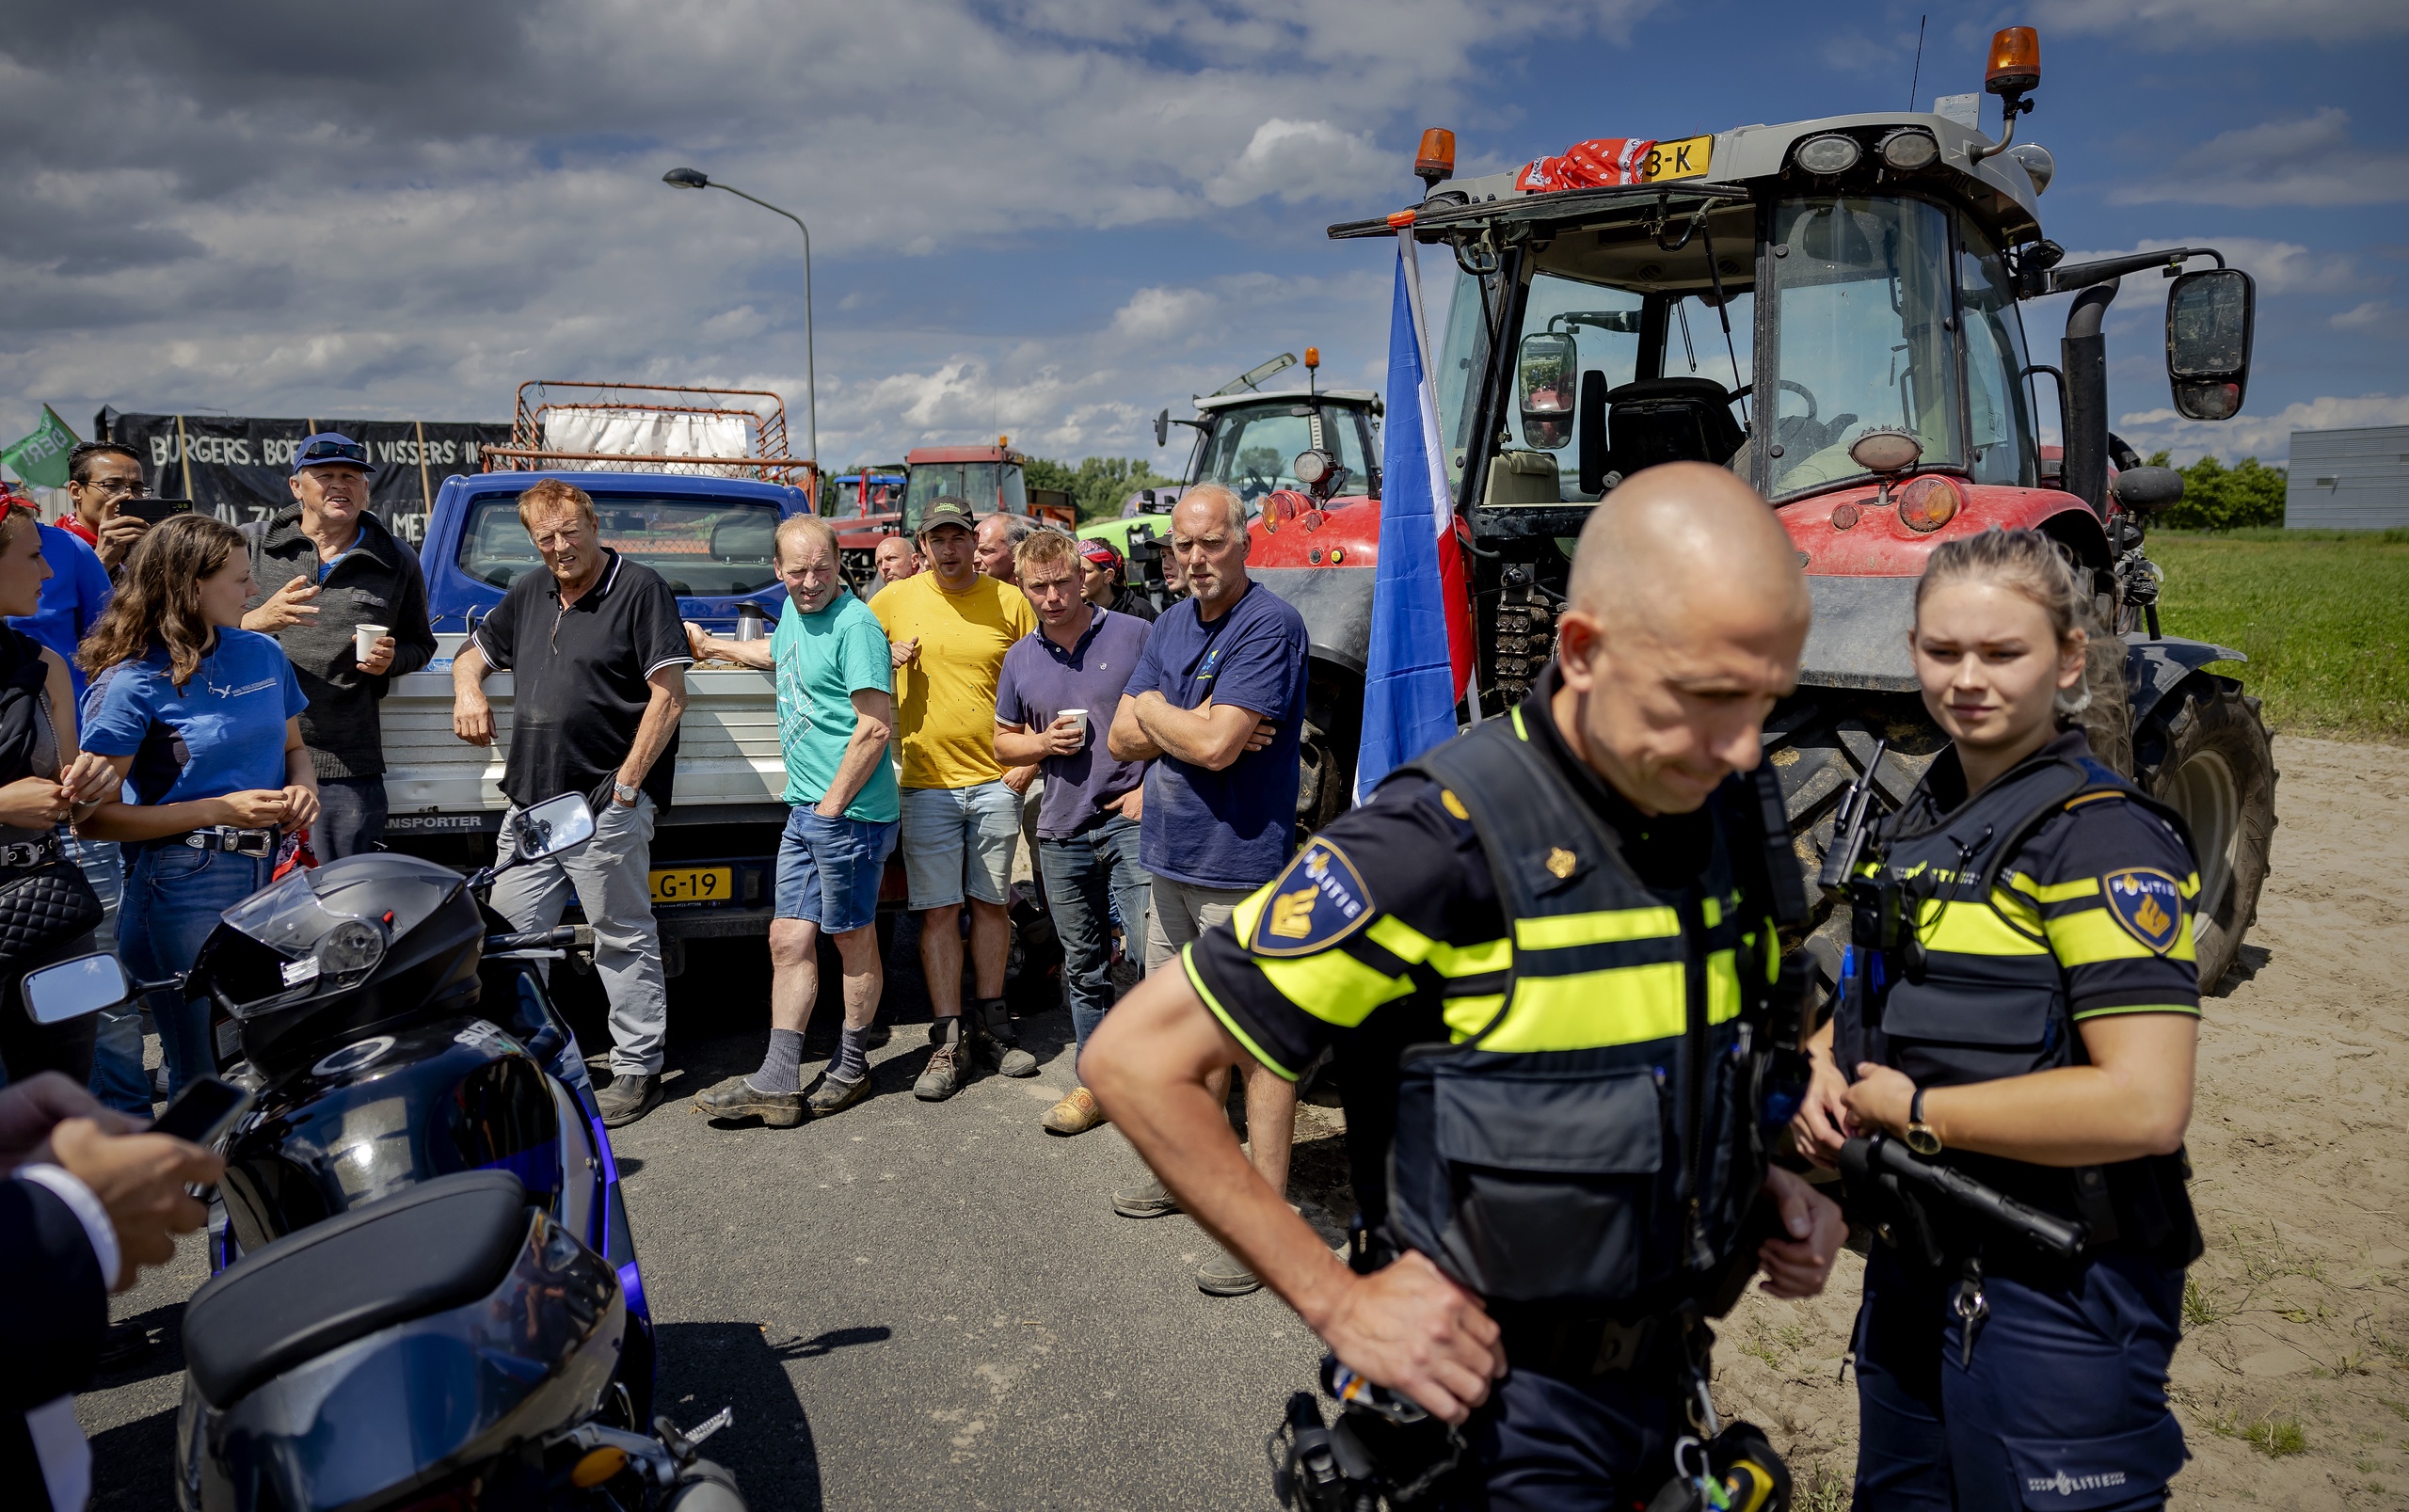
(2203, 751)
(1326, 752)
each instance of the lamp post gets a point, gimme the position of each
(696, 179)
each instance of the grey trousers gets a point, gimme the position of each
(1181, 912)
(610, 876)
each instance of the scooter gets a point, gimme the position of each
(426, 1295)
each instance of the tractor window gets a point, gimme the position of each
(1464, 358)
(1253, 447)
(1603, 324)
(1999, 439)
(1865, 339)
(985, 486)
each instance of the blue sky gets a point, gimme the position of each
(1052, 217)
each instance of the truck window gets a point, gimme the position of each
(704, 547)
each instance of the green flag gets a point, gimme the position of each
(40, 459)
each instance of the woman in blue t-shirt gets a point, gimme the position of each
(200, 720)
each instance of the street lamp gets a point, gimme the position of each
(696, 179)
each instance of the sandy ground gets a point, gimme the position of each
(2293, 1381)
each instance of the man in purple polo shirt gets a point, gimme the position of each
(1054, 698)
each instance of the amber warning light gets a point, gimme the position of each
(2016, 61)
(1436, 162)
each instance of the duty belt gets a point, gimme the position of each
(1580, 1349)
(18, 854)
(226, 838)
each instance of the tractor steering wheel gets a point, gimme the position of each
(1798, 388)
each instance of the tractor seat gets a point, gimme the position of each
(439, 1245)
(1670, 420)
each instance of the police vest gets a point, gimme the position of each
(1595, 1142)
(1974, 991)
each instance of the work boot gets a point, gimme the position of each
(737, 1098)
(949, 1063)
(1151, 1200)
(1226, 1274)
(1075, 1114)
(997, 1045)
(630, 1097)
(834, 1096)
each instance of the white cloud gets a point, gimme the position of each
(1161, 315)
(2268, 438)
(2173, 24)
(2278, 267)
(2372, 315)
(2308, 161)
(1301, 160)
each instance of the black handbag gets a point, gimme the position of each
(44, 908)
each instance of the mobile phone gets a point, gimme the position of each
(151, 510)
(203, 1111)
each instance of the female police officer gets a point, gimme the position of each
(2034, 1028)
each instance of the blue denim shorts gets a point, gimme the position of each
(958, 840)
(828, 869)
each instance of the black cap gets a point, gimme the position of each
(944, 511)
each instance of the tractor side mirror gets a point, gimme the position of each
(1546, 381)
(2208, 323)
(1162, 429)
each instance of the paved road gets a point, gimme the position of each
(910, 1304)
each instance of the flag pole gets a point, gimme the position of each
(1407, 250)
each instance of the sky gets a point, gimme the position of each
(1051, 219)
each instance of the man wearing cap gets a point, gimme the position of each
(331, 577)
(1103, 581)
(949, 629)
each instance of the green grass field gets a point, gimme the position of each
(2323, 616)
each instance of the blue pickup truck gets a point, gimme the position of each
(713, 856)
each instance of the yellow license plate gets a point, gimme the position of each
(1686, 159)
(693, 885)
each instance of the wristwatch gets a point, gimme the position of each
(1920, 1136)
(624, 792)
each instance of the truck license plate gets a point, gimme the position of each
(1686, 159)
(693, 885)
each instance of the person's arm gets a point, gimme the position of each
(300, 779)
(661, 716)
(1212, 735)
(84, 779)
(1128, 740)
(288, 605)
(1016, 745)
(471, 714)
(412, 637)
(873, 726)
(757, 655)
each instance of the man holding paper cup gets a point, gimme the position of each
(346, 598)
(1054, 684)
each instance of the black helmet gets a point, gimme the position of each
(330, 953)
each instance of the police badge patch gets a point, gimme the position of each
(2149, 903)
(1318, 902)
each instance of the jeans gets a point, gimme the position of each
(173, 895)
(829, 870)
(960, 840)
(610, 877)
(351, 818)
(1083, 874)
(118, 1077)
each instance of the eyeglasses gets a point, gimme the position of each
(316, 452)
(112, 487)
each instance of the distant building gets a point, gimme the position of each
(2355, 480)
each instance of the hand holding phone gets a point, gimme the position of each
(203, 1111)
(151, 510)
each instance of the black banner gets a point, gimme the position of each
(236, 466)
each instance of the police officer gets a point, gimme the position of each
(1542, 954)
(2034, 1028)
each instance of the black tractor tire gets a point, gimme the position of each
(2203, 750)
(1326, 750)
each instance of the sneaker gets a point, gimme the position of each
(1226, 1275)
(1075, 1114)
(946, 1069)
(834, 1096)
(629, 1097)
(737, 1098)
(996, 1043)
(1152, 1201)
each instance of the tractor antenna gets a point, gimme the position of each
(1917, 78)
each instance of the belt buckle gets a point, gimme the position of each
(19, 854)
(251, 842)
(199, 839)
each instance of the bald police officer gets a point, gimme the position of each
(1543, 953)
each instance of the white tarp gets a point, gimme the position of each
(648, 433)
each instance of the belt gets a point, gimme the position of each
(222, 837)
(19, 854)
(1580, 1349)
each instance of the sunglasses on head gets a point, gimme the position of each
(332, 451)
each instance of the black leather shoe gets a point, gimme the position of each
(628, 1099)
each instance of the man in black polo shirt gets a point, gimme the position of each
(601, 660)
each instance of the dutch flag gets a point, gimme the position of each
(1421, 650)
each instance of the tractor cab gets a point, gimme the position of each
(1256, 443)
(990, 479)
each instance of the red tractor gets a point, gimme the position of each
(988, 478)
(1830, 309)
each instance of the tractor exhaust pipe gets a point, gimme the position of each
(2084, 353)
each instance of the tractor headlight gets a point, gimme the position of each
(1910, 148)
(1928, 503)
(1825, 156)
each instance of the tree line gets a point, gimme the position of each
(2221, 498)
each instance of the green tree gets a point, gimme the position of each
(2218, 497)
(1098, 484)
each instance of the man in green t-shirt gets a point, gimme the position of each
(836, 711)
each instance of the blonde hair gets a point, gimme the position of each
(1042, 548)
(2040, 569)
(551, 494)
(794, 527)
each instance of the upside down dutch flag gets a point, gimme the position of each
(1421, 640)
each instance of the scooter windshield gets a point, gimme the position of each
(293, 917)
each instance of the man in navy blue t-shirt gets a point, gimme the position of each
(1218, 702)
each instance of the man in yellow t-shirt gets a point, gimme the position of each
(950, 628)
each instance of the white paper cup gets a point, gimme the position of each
(1079, 714)
(364, 639)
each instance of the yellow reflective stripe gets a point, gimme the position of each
(2190, 886)
(2056, 891)
(1468, 1016)
(1520, 733)
(1971, 930)
(1722, 987)
(1558, 932)
(2093, 935)
(2139, 1007)
(1713, 907)
(1333, 986)
(1244, 917)
(2018, 912)
(1626, 1005)
(1413, 947)
(1213, 1006)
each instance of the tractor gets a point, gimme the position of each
(1831, 309)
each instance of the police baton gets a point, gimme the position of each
(1864, 1160)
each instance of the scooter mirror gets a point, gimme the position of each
(71, 989)
(553, 825)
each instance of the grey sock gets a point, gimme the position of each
(852, 1062)
(782, 1069)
